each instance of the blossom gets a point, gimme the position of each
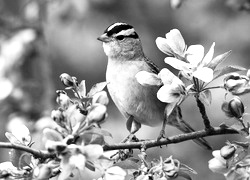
(172, 90)
(218, 163)
(20, 135)
(196, 64)
(173, 44)
(237, 84)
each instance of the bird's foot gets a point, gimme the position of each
(130, 138)
(162, 135)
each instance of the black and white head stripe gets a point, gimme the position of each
(121, 29)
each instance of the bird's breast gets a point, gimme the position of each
(130, 97)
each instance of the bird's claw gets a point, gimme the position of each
(162, 135)
(130, 138)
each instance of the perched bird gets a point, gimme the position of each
(139, 104)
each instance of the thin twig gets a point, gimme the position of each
(202, 109)
(170, 140)
(36, 153)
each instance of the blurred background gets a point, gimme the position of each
(64, 40)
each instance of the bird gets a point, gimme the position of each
(138, 104)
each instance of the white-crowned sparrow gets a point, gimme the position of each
(139, 104)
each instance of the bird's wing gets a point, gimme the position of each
(154, 68)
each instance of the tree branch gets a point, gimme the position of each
(171, 140)
(203, 114)
(34, 152)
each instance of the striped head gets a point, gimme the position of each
(121, 41)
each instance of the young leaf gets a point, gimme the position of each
(218, 60)
(206, 97)
(226, 70)
(130, 163)
(96, 88)
(51, 134)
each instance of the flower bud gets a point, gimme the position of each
(233, 108)
(236, 84)
(236, 107)
(67, 80)
(227, 151)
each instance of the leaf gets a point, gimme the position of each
(226, 70)
(206, 97)
(51, 134)
(218, 60)
(95, 136)
(82, 88)
(24, 160)
(185, 167)
(99, 131)
(130, 163)
(15, 156)
(96, 88)
(184, 175)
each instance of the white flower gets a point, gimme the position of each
(173, 44)
(196, 65)
(172, 90)
(218, 163)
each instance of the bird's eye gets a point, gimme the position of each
(120, 37)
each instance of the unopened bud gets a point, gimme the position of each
(67, 80)
(236, 107)
(227, 151)
(233, 108)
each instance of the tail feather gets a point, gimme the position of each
(175, 119)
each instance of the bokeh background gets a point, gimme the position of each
(66, 42)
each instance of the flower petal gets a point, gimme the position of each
(194, 54)
(218, 166)
(166, 76)
(205, 74)
(167, 94)
(92, 151)
(176, 41)
(148, 79)
(178, 64)
(162, 44)
(22, 134)
(209, 56)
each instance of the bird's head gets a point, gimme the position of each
(121, 41)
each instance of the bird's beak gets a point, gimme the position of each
(104, 38)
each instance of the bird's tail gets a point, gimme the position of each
(175, 119)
